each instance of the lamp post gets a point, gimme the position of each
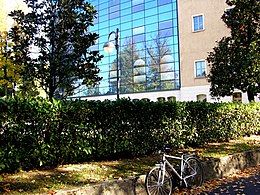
(108, 48)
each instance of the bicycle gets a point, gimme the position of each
(159, 180)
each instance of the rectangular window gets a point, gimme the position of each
(114, 9)
(138, 30)
(165, 24)
(200, 69)
(163, 2)
(114, 2)
(165, 33)
(138, 38)
(197, 23)
(125, 5)
(138, 8)
(136, 2)
(114, 15)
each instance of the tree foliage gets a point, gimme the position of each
(9, 71)
(235, 61)
(52, 42)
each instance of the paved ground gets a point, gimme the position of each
(245, 182)
(250, 186)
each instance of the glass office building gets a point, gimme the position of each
(148, 46)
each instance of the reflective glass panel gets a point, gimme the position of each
(162, 2)
(136, 2)
(114, 15)
(138, 30)
(165, 24)
(138, 8)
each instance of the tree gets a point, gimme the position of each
(128, 56)
(235, 62)
(9, 72)
(159, 57)
(52, 43)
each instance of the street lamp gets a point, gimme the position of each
(108, 48)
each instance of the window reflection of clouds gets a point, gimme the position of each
(167, 76)
(138, 30)
(167, 67)
(167, 59)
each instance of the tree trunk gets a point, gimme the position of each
(250, 95)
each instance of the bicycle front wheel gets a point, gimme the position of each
(155, 184)
(193, 173)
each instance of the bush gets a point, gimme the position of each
(35, 132)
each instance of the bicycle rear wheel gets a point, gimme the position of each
(193, 173)
(154, 185)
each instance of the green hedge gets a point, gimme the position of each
(35, 132)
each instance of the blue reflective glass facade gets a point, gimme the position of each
(148, 45)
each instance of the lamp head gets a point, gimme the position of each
(108, 47)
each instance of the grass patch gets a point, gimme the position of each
(75, 175)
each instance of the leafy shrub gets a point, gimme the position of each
(35, 132)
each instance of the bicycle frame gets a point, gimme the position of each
(166, 162)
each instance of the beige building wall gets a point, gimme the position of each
(196, 45)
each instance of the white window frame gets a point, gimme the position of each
(195, 68)
(197, 15)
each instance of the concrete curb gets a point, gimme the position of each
(214, 168)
